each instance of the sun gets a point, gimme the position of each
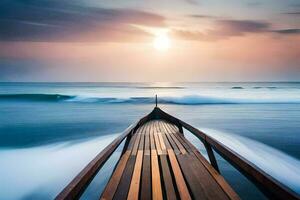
(161, 42)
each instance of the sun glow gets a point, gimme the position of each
(161, 41)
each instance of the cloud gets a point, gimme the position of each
(223, 29)
(198, 16)
(192, 2)
(294, 5)
(30, 20)
(238, 27)
(292, 13)
(254, 4)
(287, 31)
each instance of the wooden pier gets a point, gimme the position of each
(158, 162)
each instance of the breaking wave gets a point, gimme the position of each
(35, 97)
(270, 160)
(181, 100)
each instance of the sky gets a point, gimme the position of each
(101, 40)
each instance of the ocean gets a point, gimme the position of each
(50, 131)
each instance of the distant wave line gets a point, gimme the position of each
(180, 100)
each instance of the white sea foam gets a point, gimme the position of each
(45, 170)
(188, 100)
(279, 165)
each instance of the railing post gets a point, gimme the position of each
(127, 140)
(211, 156)
(180, 128)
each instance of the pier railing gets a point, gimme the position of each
(78, 185)
(267, 184)
(272, 188)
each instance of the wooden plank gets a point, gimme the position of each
(124, 184)
(142, 140)
(147, 143)
(171, 134)
(180, 182)
(191, 180)
(136, 144)
(155, 173)
(167, 143)
(152, 142)
(182, 140)
(131, 142)
(173, 127)
(77, 186)
(170, 128)
(169, 188)
(139, 129)
(161, 141)
(180, 146)
(157, 144)
(136, 177)
(267, 184)
(218, 178)
(145, 193)
(201, 183)
(162, 127)
(156, 140)
(173, 144)
(113, 183)
(156, 184)
(146, 178)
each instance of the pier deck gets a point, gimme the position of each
(159, 163)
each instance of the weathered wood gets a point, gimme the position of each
(151, 136)
(161, 141)
(171, 134)
(76, 187)
(156, 184)
(180, 182)
(113, 183)
(182, 140)
(157, 144)
(170, 193)
(193, 174)
(131, 142)
(267, 184)
(170, 140)
(136, 144)
(146, 178)
(211, 156)
(123, 187)
(219, 179)
(147, 142)
(157, 167)
(200, 182)
(136, 177)
(158, 162)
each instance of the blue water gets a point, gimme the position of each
(49, 131)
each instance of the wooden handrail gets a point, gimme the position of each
(267, 184)
(78, 185)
